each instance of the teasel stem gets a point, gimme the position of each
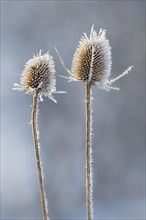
(88, 151)
(37, 154)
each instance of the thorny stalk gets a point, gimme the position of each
(37, 154)
(88, 151)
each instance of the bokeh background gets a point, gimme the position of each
(118, 141)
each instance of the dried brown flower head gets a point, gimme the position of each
(38, 76)
(92, 61)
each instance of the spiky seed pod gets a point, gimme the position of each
(38, 76)
(92, 61)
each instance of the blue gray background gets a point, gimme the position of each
(118, 141)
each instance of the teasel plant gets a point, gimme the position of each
(38, 79)
(91, 65)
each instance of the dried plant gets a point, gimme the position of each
(38, 79)
(92, 65)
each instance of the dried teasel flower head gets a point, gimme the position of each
(92, 61)
(38, 76)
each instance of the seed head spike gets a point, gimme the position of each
(92, 61)
(38, 76)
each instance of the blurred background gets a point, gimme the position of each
(118, 117)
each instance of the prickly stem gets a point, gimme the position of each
(37, 154)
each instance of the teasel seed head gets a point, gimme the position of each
(92, 61)
(38, 76)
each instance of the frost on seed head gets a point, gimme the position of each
(92, 61)
(38, 76)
